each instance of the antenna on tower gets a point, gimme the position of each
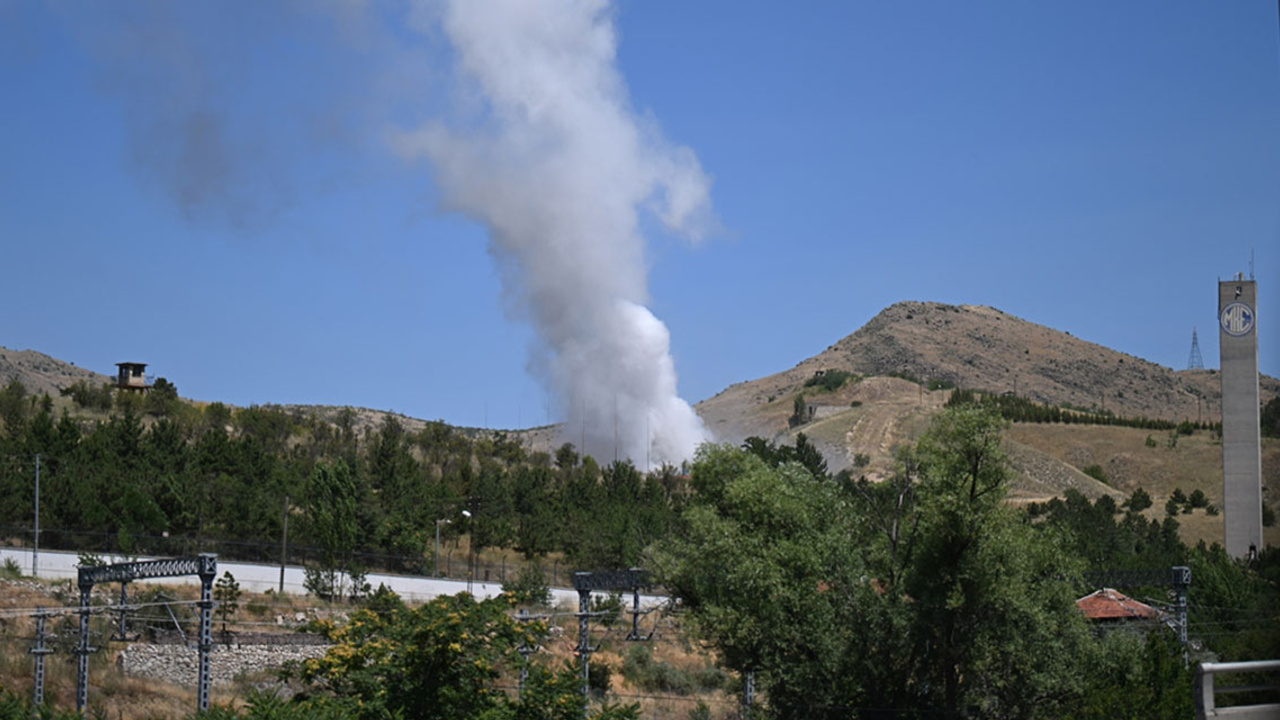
(1195, 361)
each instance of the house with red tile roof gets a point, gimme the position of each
(1107, 605)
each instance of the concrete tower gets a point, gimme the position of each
(1241, 444)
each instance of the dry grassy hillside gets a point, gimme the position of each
(981, 348)
(859, 425)
(41, 373)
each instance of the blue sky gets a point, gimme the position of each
(1091, 166)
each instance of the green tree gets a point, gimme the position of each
(333, 500)
(162, 399)
(995, 628)
(799, 412)
(13, 407)
(1132, 676)
(1198, 499)
(226, 592)
(925, 592)
(767, 569)
(1140, 500)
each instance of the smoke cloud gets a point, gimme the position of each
(556, 164)
(537, 141)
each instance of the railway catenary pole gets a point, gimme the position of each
(204, 565)
(208, 569)
(82, 661)
(39, 651)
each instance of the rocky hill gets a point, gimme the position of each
(41, 373)
(980, 348)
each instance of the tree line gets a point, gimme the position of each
(221, 474)
(1016, 408)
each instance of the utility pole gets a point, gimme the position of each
(584, 642)
(35, 551)
(284, 543)
(748, 693)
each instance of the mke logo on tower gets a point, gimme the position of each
(1237, 319)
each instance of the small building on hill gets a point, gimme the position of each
(1109, 606)
(132, 376)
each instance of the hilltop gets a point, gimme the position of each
(905, 362)
(980, 348)
(41, 373)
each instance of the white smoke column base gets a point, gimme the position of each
(629, 409)
(556, 164)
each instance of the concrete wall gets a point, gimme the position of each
(1241, 444)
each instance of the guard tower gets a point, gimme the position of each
(132, 376)
(1241, 443)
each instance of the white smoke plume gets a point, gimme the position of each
(558, 167)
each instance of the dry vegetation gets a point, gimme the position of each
(117, 695)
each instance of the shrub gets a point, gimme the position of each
(88, 397)
(529, 586)
(1268, 516)
(941, 385)
(609, 606)
(600, 678)
(1151, 442)
(1096, 472)
(384, 601)
(1211, 509)
(831, 380)
(641, 670)
(11, 570)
